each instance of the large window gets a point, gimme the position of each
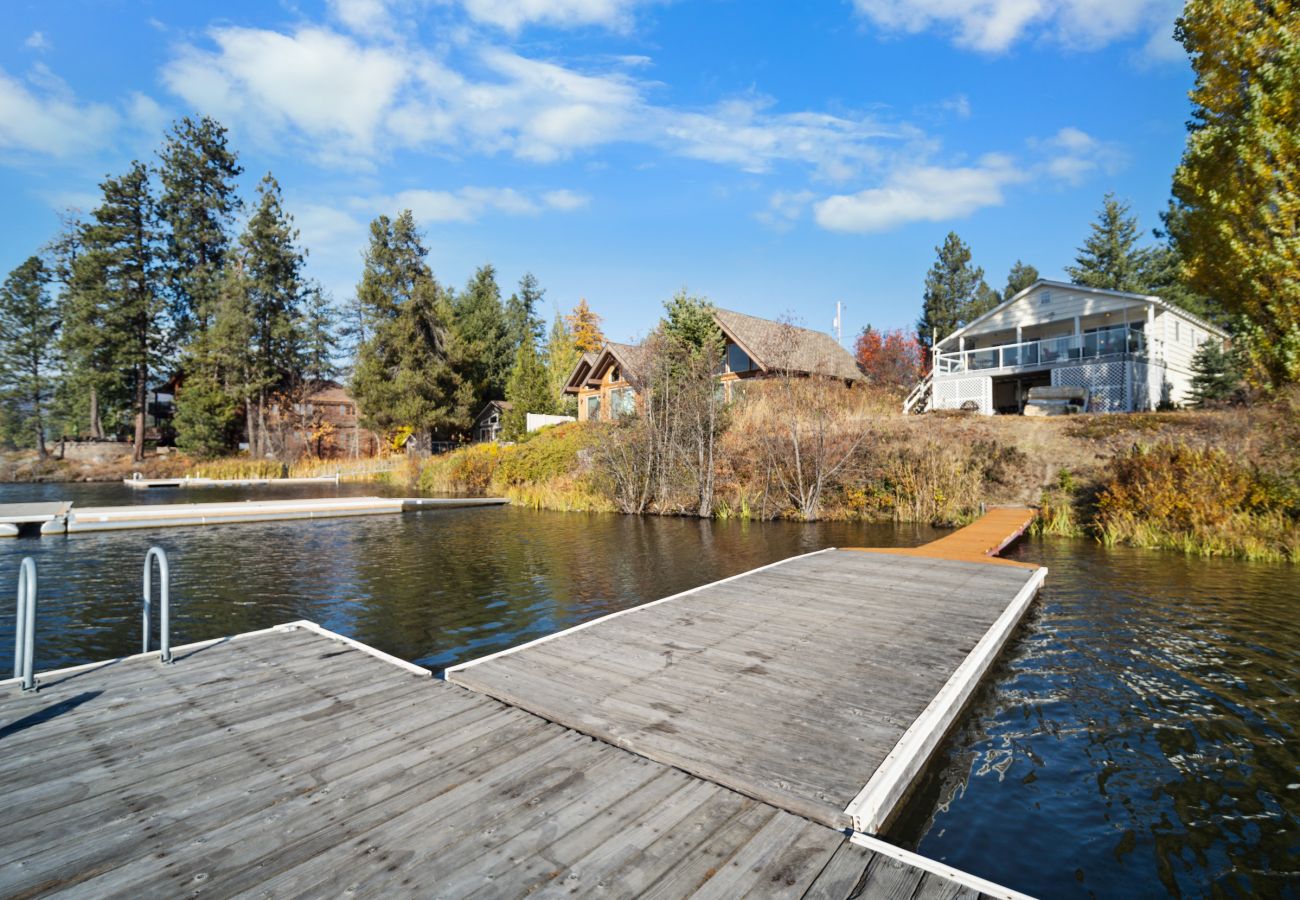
(593, 407)
(621, 403)
(738, 360)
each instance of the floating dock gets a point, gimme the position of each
(65, 518)
(742, 739)
(188, 482)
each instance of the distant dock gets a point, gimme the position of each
(66, 518)
(748, 737)
(189, 482)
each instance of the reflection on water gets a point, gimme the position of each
(1138, 739)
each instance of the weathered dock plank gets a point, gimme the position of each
(820, 685)
(294, 763)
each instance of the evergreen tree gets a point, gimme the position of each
(953, 289)
(272, 276)
(1238, 185)
(90, 381)
(405, 373)
(117, 290)
(198, 203)
(522, 319)
(585, 325)
(528, 389)
(1214, 375)
(28, 325)
(689, 324)
(1110, 257)
(319, 335)
(483, 336)
(1021, 276)
(562, 357)
(219, 377)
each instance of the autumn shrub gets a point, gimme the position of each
(468, 470)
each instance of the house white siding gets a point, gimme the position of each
(1047, 309)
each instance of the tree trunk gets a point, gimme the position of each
(141, 401)
(96, 427)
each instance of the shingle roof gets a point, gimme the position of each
(633, 358)
(776, 345)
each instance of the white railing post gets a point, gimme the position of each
(164, 602)
(25, 625)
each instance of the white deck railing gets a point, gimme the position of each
(1117, 341)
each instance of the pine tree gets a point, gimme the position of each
(1214, 375)
(1110, 257)
(117, 289)
(405, 374)
(953, 290)
(219, 377)
(689, 324)
(585, 325)
(198, 204)
(522, 319)
(1021, 276)
(28, 346)
(318, 327)
(528, 389)
(272, 275)
(484, 337)
(562, 357)
(1238, 185)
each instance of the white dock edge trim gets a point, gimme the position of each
(307, 625)
(622, 612)
(974, 882)
(301, 624)
(876, 801)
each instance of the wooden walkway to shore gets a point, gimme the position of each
(294, 763)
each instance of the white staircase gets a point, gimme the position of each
(919, 400)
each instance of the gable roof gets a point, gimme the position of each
(500, 405)
(1065, 285)
(578, 376)
(630, 358)
(777, 345)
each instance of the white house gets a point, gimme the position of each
(1131, 351)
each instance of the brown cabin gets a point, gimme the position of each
(604, 382)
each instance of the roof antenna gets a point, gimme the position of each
(839, 322)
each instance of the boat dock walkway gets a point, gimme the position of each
(66, 518)
(746, 738)
(189, 482)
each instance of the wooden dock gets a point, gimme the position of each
(66, 518)
(293, 762)
(189, 482)
(749, 737)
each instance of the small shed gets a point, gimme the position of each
(487, 424)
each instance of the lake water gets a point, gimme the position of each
(1137, 739)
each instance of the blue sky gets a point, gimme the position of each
(775, 157)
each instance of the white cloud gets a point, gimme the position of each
(513, 15)
(920, 193)
(43, 117)
(368, 17)
(326, 86)
(784, 208)
(993, 26)
(565, 200)
(36, 41)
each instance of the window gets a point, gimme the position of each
(621, 403)
(1177, 335)
(738, 360)
(1044, 298)
(613, 374)
(593, 407)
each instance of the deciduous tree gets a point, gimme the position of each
(889, 358)
(585, 325)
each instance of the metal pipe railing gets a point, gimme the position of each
(25, 625)
(164, 602)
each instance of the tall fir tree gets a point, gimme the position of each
(319, 329)
(528, 389)
(585, 326)
(484, 336)
(1110, 257)
(1021, 276)
(1215, 376)
(953, 289)
(118, 280)
(522, 318)
(1238, 185)
(272, 276)
(689, 324)
(198, 202)
(28, 349)
(562, 355)
(405, 373)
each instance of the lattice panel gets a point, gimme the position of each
(1106, 383)
(954, 393)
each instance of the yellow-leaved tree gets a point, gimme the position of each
(1237, 225)
(585, 326)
